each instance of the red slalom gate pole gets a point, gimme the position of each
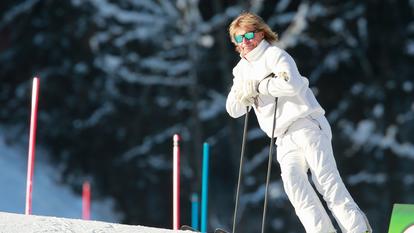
(32, 145)
(86, 201)
(176, 182)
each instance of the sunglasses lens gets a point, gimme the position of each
(238, 39)
(249, 35)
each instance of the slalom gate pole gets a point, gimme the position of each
(204, 188)
(269, 167)
(176, 182)
(194, 211)
(246, 121)
(32, 145)
(86, 201)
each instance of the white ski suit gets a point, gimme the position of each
(303, 139)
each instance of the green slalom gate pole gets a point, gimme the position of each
(204, 189)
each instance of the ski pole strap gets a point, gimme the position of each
(267, 78)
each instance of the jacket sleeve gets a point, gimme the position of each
(288, 81)
(234, 108)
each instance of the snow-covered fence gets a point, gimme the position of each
(18, 223)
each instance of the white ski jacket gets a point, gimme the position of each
(295, 99)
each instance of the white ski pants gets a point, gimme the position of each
(307, 145)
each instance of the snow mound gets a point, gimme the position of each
(18, 223)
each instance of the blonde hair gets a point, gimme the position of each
(247, 20)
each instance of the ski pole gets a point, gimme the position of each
(269, 166)
(246, 120)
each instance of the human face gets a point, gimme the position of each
(248, 45)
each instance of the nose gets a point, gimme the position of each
(245, 40)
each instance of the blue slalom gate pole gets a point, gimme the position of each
(204, 188)
(194, 211)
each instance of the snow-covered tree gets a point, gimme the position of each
(119, 78)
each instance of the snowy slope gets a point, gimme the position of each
(17, 223)
(49, 197)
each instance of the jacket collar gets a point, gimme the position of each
(257, 52)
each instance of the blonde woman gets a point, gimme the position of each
(303, 133)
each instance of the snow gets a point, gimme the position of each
(13, 223)
(149, 142)
(365, 177)
(213, 108)
(56, 208)
(282, 5)
(407, 86)
(290, 38)
(364, 135)
(95, 117)
(49, 196)
(256, 197)
(16, 11)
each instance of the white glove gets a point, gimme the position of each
(242, 98)
(250, 88)
(246, 91)
(247, 100)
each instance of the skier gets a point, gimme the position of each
(303, 133)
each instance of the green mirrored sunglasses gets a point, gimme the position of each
(247, 35)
